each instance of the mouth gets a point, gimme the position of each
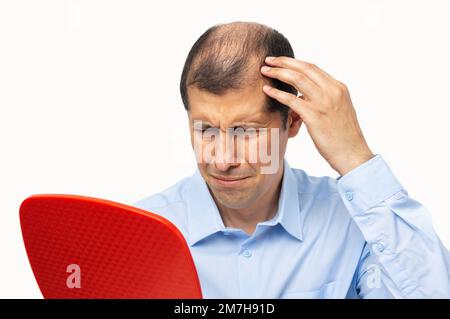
(229, 181)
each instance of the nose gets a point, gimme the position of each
(223, 167)
(225, 152)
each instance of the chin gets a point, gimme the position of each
(235, 199)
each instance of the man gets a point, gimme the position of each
(259, 232)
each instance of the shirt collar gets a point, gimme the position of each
(204, 218)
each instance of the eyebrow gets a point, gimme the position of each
(249, 121)
(242, 123)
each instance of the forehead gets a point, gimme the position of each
(247, 104)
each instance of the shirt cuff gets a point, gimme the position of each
(368, 184)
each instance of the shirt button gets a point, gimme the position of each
(349, 196)
(380, 246)
(247, 253)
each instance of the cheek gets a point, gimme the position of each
(260, 183)
(268, 144)
(203, 149)
(280, 144)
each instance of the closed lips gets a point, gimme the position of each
(228, 178)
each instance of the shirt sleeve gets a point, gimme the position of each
(403, 256)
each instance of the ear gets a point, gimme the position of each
(294, 123)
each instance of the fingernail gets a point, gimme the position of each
(265, 68)
(266, 88)
(270, 58)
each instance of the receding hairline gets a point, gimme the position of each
(228, 44)
(228, 57)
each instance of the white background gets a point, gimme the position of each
(90, 104)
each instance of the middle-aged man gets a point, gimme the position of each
(272, 231)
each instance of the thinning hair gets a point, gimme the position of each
(230, 56)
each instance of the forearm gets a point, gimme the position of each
(398, 232)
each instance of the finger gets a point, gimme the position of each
(296, 104)
(316, 74)
(298, 80)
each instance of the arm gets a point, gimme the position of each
(403, 256)
(401, 242)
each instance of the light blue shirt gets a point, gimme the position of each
(359, 235)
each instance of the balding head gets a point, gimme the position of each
(229, 57)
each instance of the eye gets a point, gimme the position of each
(246, 131)
(202, 128)
(208, 132)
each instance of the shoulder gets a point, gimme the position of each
(320, 199)
(316, 186)
(324, 213)
(169, 203)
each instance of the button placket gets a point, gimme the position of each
(247, 275)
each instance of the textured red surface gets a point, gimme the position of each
(122, 251)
